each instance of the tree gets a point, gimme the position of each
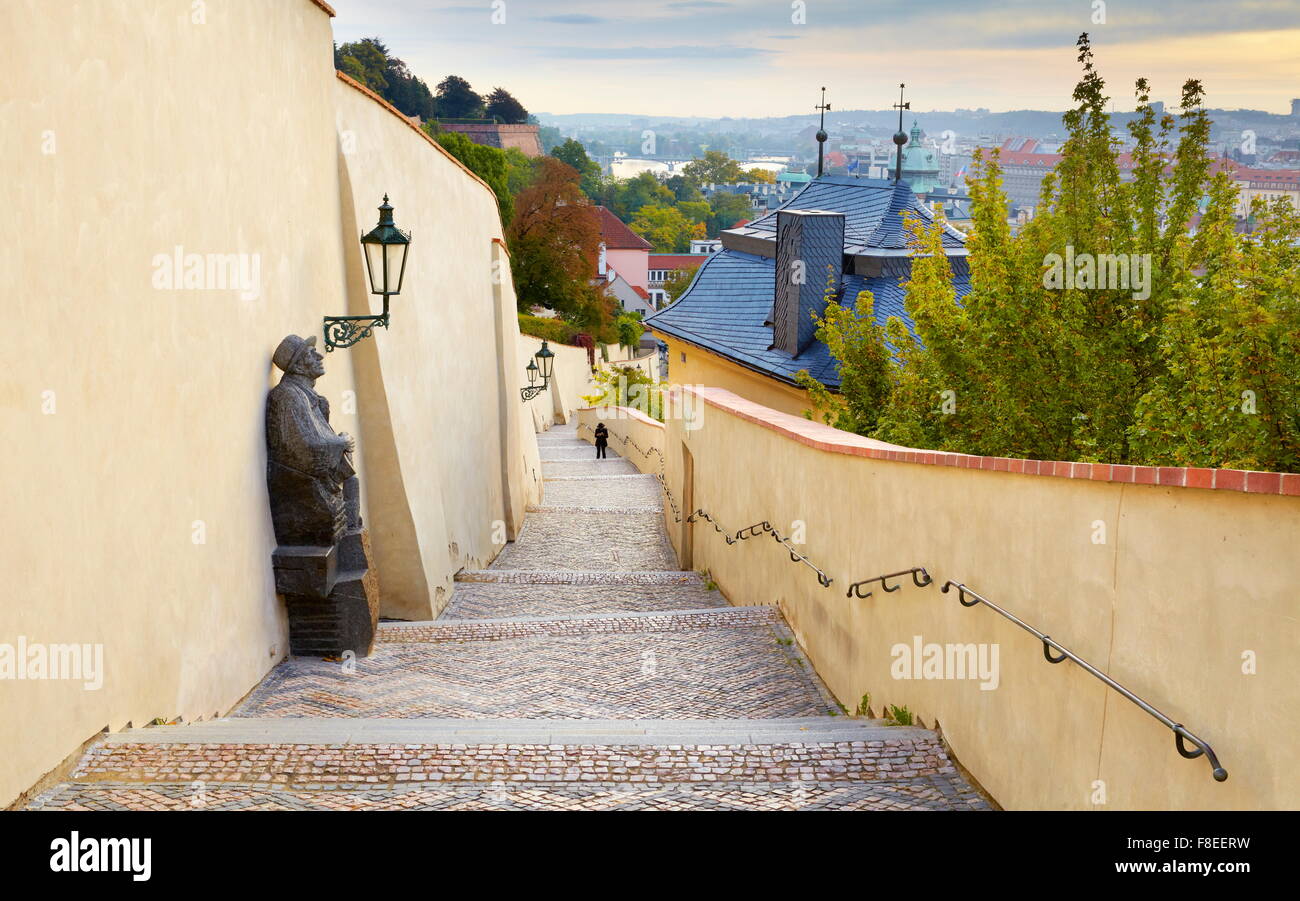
(728, 209)
(487, 163)
(665, 227)
(521, 170)
(760, 177)
(457, 100)
(626, 197)
(573, 154)
(550, 137)
(696, 210)
(408, 92)
(1185, 356)
(628, 386)
(677, 282)
(683, 189)
(714, 168)
(365, 61)
(630, 329)
(503, 107)
(554, 241)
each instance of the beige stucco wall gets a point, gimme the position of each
(1186, 582)
(700, 367)
(570, 381)
(647, 362)
(439, 362)
(135, 502)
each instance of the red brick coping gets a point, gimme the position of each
(823, 437)
(325, 6)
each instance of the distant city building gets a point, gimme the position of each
(621, 249)
(496, 134)
(1266, 185)
(920, 165)
(622, 266)
(763, 196)
(663, 265)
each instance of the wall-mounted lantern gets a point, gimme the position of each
(546, 359)
(385, 249)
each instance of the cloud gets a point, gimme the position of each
(680, 51)
(572, 19)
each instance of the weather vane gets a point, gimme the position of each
(900, 138)
(821, 131)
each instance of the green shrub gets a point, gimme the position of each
(556, 330)
(898, 716)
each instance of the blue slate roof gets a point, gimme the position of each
(872, 209)
(728, 307)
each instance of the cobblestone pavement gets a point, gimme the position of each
(668, 692)
(487, 600)
(640, 491)
(590, 541)
(312, 766)
(933, 793)
(719, 672)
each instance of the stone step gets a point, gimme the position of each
(488, 600)
(303, 757)
(579, 577)
(610, 466)
(923, 793)
(450, 730)
(750, 670)
(563, 454)
(590, 624)
(589, 542)
(577, 493)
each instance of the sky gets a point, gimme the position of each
(755, 58)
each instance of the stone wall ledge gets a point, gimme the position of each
(824, 437)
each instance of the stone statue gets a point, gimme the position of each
(307, 463)
(322, 563)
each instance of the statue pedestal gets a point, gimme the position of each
(331, 596)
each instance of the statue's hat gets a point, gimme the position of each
(290, 349)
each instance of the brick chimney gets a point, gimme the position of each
(807, 242)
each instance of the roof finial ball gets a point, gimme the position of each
(821, 132)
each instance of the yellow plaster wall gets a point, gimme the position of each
(1182, 584)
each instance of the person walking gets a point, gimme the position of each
(602, 440)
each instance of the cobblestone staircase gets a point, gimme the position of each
(581, 671)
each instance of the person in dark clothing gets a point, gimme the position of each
(602, 440)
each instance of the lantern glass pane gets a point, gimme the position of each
(396, 266)
(375, 266)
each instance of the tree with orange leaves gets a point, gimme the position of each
(554, 242)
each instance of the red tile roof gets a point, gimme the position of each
(616, 235)
(677, 260)
(641, 292)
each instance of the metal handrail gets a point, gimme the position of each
(920, 578)
(1180, 731)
